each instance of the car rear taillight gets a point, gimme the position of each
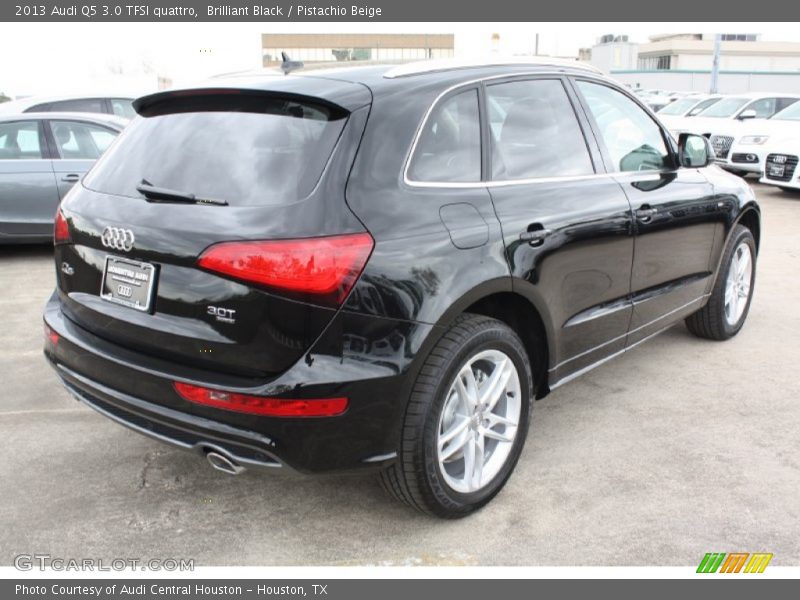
(61, 229)
(325, 268)
(51, 335)
(261, 405)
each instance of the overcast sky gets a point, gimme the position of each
(51, 58)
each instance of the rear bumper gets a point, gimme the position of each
(169, 426)
(137, 391)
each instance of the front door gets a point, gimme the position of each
(675, 213)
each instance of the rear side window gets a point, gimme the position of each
(702, 106)
(122, 107)
(535, 131)
(633, 140)
(784, 103)
(449, 148)
(247, 158)
(20, 140)
(89, 105)
(75, 140)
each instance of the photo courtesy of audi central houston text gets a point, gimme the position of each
(382, 268)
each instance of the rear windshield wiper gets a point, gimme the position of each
(152, 192)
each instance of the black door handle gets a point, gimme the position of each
(534, 237)
(72, 178)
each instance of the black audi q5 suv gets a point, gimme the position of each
(382, 267)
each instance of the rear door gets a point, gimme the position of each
(77, 144)
(28, 193)
(674, 208)
(566, 224)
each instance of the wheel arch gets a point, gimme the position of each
(527, 316)
(750, 217)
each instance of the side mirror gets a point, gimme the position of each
(748, 114)
(694, 151)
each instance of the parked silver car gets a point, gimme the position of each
(120, 106)
(42, 155)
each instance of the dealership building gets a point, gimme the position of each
(342, 47)
(683, 62)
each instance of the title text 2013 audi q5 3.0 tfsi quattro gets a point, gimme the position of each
(383, 266)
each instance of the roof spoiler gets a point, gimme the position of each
(223, 99)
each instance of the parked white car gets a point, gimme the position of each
(755, 138)
(724, 118)
(780, 164)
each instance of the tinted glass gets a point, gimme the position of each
(789, 114)
(764, 108)
(20, 141)
(535, 131)
(702, 106)
(726, 107)
(784, 102)
(449, 149)
(90, 105)
(679, 107)
(75, 140)
(633, 139)
(245, 158)
(123, 107)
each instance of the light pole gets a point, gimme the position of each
(715, 64)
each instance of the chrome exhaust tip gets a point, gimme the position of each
(222, 463)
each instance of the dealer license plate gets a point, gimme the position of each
(128, 282)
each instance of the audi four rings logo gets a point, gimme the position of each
(117, 238)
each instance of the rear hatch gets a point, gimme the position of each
(214, 232)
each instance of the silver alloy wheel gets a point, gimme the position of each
(479, 421)
(737, 285)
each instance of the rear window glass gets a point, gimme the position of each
(273, 156)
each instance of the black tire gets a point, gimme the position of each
(415, 478)
(710, 322)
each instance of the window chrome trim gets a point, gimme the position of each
(504, 182)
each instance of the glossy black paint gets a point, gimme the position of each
(591, 276)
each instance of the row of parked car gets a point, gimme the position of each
(753, 133)
(46, 146)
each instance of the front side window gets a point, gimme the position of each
(633, 140)
(535, 131)
(20, 140)
(76, 140)
(764, 108)
(449, 148)
(679, 107)
(725, 108)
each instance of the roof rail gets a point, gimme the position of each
(448, 64)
